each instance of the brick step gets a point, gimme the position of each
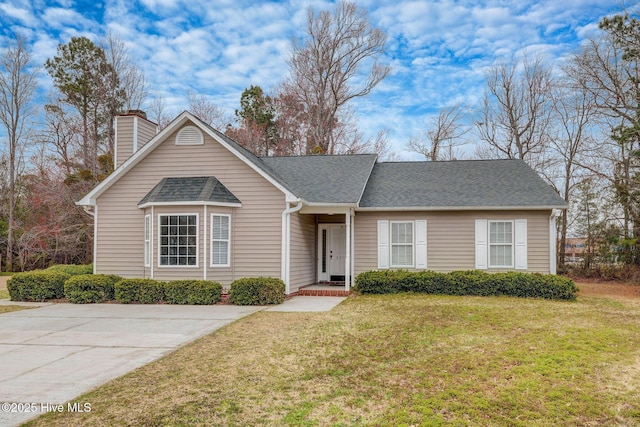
(322, 293)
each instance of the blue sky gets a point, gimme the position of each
(438, 50)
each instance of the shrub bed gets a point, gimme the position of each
(257, 291)
(197, 292)
(90, 288)
(72, 269)
(37, 285)
(472, 282)
(141, 291)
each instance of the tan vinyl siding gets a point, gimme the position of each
(303, 244)
(451, 238)
(146, 131)
(124, 139)
(256, 234)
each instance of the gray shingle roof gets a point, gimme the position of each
(189, 189)
(458, 184)
(324, 179)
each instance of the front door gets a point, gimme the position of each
(331, 252)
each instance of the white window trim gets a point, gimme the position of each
(197, 265)
(147, 240)
(489, 244)
(413, 244)
(228, 240)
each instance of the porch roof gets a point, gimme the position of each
(190, 189)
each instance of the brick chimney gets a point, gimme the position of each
(133, 130)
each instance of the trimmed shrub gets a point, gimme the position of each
(257, 291)
(472, 282)
(140, 291)
(202, 292)
(72, 269)
(37, 285)
(90, 288)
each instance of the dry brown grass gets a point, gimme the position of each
(10, 308)
(393, 360)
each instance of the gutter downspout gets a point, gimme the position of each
(93, 214)
(286, 244)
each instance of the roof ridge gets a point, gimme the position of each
(317, 156)
(449, 161)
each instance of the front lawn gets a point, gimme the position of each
(394, 360)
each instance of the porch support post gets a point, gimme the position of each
(285, 264)
(206, 236)
(152, 240)
(353, 250)
(347, 258)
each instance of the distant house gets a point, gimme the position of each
(188, 202)
(574, 249)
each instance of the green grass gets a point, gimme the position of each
(392, 361)
(4, 294)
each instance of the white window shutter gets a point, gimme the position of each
(383, 244)
(421, 243)
(482, 244)
(521, 244)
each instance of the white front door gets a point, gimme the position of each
(332, 251)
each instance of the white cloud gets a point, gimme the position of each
(22, 15)
(438, 48)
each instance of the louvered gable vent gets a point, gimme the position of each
(189, 135)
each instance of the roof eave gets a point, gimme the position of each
(461, 208)
(190, 203)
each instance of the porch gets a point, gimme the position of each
(319, 251)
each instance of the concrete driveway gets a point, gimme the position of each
(52, 354)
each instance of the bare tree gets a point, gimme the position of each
(132, 81)
(445, 128)
(207, 111)
(158, 114)
(606, 71)
(516, 111)
(326, 69)
(574, 117)
(61, 135)
(17, 87)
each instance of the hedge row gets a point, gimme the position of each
(42, 285)
(473, 282)
(72, 270)
(257, 291)
(90, 288)
(37, 285)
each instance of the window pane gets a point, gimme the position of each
(402, 255)
(178, 240)
(500, 255)
(501, 232)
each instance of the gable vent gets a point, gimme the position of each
(189, 135)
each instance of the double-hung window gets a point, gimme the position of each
(178, 240)
(147, 240)
(501, 244)
(402, 243)
(220, 232)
